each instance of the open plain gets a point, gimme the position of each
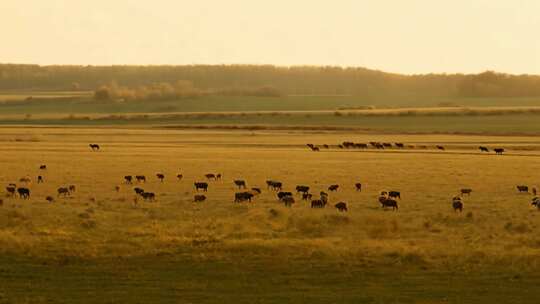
(102, 245)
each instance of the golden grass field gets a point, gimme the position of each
(264, 252)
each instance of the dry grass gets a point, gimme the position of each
(497, 227)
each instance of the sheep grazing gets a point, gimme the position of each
(457, 204)
(341, 206)
(522, 189)
(199, 198)
(466, 191)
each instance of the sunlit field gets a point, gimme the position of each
(100, 245)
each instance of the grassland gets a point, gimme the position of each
(101, 246)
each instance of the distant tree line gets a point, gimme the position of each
(239, 79)
(178, 90)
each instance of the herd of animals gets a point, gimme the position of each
(387, 199)
(387, 145)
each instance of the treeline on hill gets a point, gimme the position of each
(177, 90)
(265, 79)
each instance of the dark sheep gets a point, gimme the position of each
(199, 198)
(242, 197)
(63, 191)
(276, 186)
(303, 189)
(333, 188)
(466, 191)
(128, 179)
(49, 199)
(440, 148)
(399, 145)
(201, 186)
(457, 204)
(11, 190)
(210, 176)
(160, 176)
(138, 191)
(388, 202)
(94, 147)
(394, 194)
(24, 193)
(306, 196)
(483, 149)
(179, 177)
(341, 206)
(140, 178)
(43, 167)
(258, 190)
(283, 194)
(358, 186)
(39, 179)
(499, 151)
(241, 184)
(148, 196)
(523, 188)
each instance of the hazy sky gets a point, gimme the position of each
(407, 36)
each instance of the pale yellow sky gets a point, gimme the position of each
(406, 36)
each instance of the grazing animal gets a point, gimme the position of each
(523, 188)
(242, 197)
(128, 179)
(388, 202)
(49, 199)
(117, 188)
(318, 204)
(218, 176)
(39, 179)
(240, 184)
(499, 151)
(140, 178)
(333, 188)
(276, 186)
(138, 190)
(11, 190)
(199, 198)
(466, 191)
(43, 167)
(358, 186)
(322, 193)
(306, 196)
(326, 146)
(483, 149)
(25, 180)
(179, 177)
(63, 191)
(201, 186)
(536, 202)
(341, 206)
(315, 149)
(148, 196)
(457, 204)
(310, 146)
(387, 145)
(283, 194)
(210, 176)
(303, 189)
(394, 194)
(440, 148)
(361, 146)
(288, 201)
(160, 176)
(257, 190)
(399, 145)
(72, 188)
(94, 147)
(24, 193)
